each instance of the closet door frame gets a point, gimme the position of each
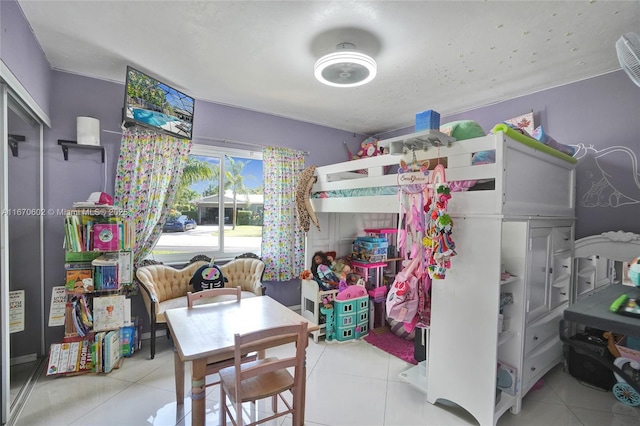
(13, 93)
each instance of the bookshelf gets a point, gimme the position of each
(97, 271)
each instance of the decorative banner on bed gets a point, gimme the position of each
(413, 178)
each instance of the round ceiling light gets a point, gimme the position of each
(345, 67)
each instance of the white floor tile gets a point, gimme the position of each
(351, 383)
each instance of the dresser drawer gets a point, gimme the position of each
(538, 332)
(541, 360)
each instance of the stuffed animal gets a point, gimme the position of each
(368, 148)
(306, 275)
(207, 277)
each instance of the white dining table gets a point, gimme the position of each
(206, 333)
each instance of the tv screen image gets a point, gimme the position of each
(153, 104)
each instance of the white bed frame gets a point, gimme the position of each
(525, 179)
(533, 190)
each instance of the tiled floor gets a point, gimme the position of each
(351, 383)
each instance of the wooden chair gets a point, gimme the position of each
(215, 295)
(264, 378)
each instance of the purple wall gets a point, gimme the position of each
(324, 144)
(599, 113)
(21, 53)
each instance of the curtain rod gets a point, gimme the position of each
(225, 141)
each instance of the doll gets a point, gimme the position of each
(321, 268)
(339, 267)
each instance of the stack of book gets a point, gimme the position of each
(97, 232)
(78, 318)
(106, 353)
(105, 272)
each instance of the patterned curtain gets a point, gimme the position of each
(147, 176)
(282, 237)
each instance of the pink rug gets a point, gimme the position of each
(392, 344)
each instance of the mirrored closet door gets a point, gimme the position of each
(21, 263)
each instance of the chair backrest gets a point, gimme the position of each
(264, 339)
(164, 282)
(245, 272)
(248, 256)
(213, 292)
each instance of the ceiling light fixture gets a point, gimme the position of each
(346, 67)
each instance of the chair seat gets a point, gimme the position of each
(259, 387)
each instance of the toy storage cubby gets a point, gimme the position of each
(311, 301)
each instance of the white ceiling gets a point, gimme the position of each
(449, 56)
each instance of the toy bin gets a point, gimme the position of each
(370, 249)
(390, 234)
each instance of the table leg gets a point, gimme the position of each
(198, 393)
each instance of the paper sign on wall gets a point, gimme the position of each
(56, 311)
(16, 311)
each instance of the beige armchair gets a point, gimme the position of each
(165, 287)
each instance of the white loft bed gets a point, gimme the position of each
(533, 188)
(525, 177)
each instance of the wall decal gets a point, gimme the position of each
(607, 177)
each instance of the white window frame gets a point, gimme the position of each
(220, 254)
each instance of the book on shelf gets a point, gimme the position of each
(78, 317)
(105, 271)
(74, 233)
(108, 312)
(79, 277)
(125, 267)
(106, 237)
(111, 351)
(96, 352)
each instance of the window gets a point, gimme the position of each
(218, 209)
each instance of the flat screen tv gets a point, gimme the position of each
(153, 104)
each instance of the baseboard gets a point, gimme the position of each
(295, 308)
(23, 359)
(147, 336)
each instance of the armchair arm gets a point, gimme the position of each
(149, 295)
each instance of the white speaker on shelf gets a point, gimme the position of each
(88, 129)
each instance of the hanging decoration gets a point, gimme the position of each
(438, 241)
